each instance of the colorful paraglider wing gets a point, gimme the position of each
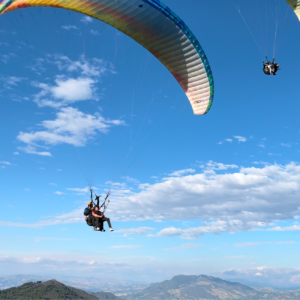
(154, 26)
(295, 5)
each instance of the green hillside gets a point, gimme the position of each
(51, 289)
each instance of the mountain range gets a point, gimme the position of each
(180, 287)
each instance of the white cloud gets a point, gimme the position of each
(16, 153)
(59, 193)
(226, 140)
(5, 163)
(196, 232)
(286, 145)
(65, 91)
(182, 172)
(86, 19)
(131, 180)
(248, 199)
(69, 27)
(219, 166)
(288, 228)
(240, 138)
(94, 32)
(71, 126)
(11, 81)
(32, 150)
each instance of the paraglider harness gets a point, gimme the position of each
(88, 210)
(270, 67)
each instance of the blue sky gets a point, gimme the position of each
(82, 104)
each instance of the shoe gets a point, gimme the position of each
(110, 229)
(102, 230)
(96, 229)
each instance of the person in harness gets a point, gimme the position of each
(270, 68)
(100, 218)
(94, 217)
(90, 219)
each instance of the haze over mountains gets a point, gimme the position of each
(180, 287)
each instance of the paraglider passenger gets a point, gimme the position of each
(97, 221)
(98, 215)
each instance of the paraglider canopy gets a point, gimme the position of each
(154, 26)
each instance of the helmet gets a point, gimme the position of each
(90, 204)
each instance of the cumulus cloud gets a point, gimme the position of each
(67, 89)
(295, 227)
(86, 19)
(11, 81)
(219, 166)
(240, 138)
(182, 172)
(131, 180)
(247, 199)
(94, 32)
(58, 193)
(71, 126)
(69, 27)
(212, 227)
(32, 150)
(226, 140)
(237, 137)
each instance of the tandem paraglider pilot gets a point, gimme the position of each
(94, 217)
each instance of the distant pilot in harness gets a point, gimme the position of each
(270, 68)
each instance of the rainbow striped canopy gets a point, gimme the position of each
(154, 26)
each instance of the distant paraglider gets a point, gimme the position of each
(270, 68)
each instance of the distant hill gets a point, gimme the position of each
(87, 284)
(209, 288)
(51, 289)
(180, 287)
